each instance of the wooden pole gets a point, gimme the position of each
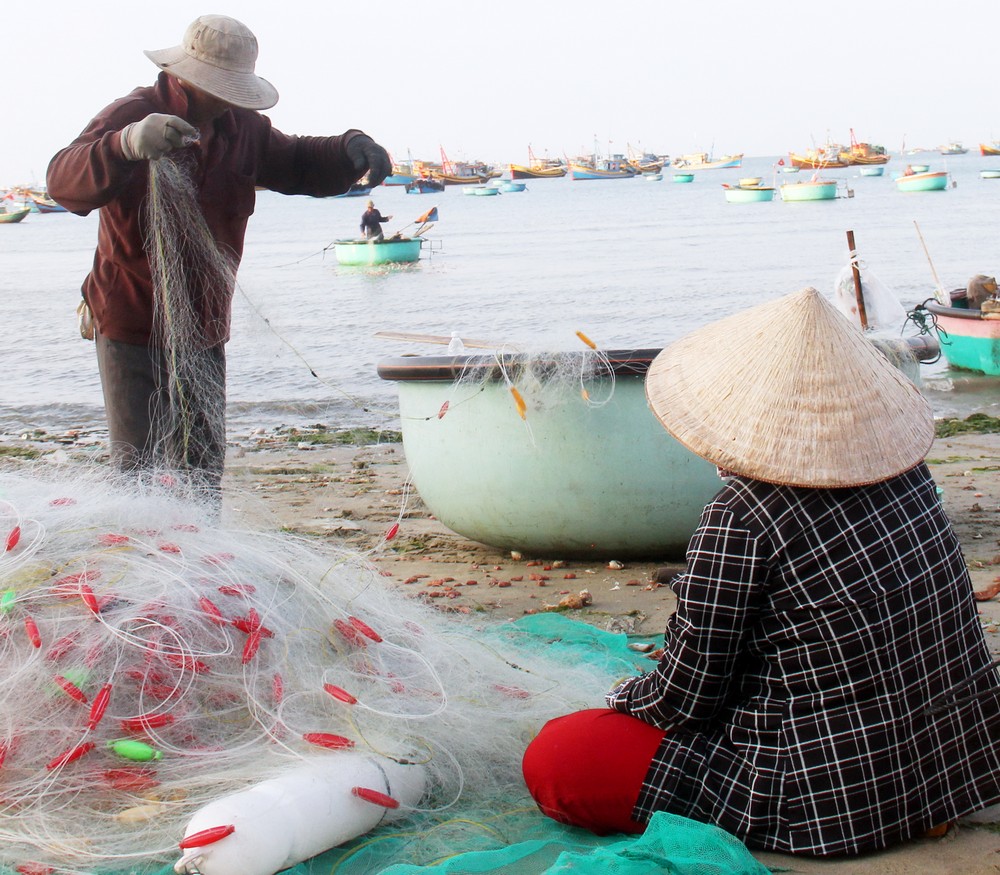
(858, 291)
(442, 339)
(940, 295)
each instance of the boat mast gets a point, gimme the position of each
(445, 163)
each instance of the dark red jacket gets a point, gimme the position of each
(246, 151)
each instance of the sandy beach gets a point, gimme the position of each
(353, 494)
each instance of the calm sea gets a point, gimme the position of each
(631, 263)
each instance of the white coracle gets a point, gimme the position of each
(127, 614)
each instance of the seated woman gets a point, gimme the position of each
(824, 686)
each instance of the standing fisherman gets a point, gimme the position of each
(371, 222)
(202, 110)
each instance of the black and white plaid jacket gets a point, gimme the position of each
(815, 633)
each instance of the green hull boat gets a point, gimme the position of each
(749, 194)
(366, 252)
(969, 339)
(573, 478)
(936, 180)
(813, 190)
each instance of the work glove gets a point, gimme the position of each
(154, 136)
(368, 155)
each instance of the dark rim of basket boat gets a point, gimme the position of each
(620, 362)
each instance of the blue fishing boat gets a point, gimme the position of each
(615, 167)
(683, 177)
(511, 185)
(872, 169)
(424, 185)
(395, 178)
(45, 204)
(481, 190)
(356, 190)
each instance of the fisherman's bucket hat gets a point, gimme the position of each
(218, 55)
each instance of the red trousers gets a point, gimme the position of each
(586, 769)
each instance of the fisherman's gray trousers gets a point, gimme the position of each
(154, 422)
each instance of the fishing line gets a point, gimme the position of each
(188, 269)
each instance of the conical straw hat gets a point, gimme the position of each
(791, 392)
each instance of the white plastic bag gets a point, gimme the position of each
(882, 307)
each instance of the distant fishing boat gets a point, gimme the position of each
(356, 190)
(990, 148)
(615, 167)
(399, 177)
(511, 185)
(538, 168)
(826, 157)
(481, 190)
(748, 194)
(44, 204)
(646, 162)
(10, 217)
(989, 174)
(704, 161)
(683, 177)
(954, 148)
(424, 185)
(872, 170)
(809, 190)
(936, 180)
(463, 172)
(863, 153)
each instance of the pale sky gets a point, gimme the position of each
(485, 81)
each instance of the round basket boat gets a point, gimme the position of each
(405, 249)
(573, 478)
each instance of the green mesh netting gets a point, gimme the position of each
(671, 845)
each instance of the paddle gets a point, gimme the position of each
(425, 221)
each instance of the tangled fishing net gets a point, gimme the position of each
(152, 662)
(538, 381)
